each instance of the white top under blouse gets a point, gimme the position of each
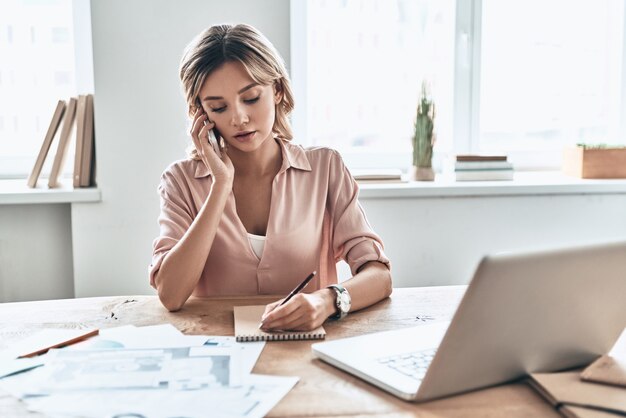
(258, 243)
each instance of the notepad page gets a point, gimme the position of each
(248, 318)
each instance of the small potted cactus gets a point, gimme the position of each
(424, 137)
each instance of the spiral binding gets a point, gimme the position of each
(279, 337)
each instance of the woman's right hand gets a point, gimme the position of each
(221, 168)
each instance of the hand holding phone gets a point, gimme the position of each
(205, 135)
(213, 141)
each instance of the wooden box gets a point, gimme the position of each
(595, 163)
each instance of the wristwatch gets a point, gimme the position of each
(342, 302)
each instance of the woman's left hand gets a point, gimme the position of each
(304, 312)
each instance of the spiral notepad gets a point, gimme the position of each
(247, 319)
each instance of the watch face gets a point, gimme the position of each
(344, 302)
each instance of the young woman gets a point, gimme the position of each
(259, 214)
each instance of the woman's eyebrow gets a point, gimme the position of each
(249, 86)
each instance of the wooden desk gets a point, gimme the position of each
(322, 389)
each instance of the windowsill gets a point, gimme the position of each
(15, 192)
(523, 184)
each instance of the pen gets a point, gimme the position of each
(293, 292)
(298, 288)
(64, 343)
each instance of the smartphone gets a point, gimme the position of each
(214, 140)
(214, 143)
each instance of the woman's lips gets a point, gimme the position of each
(247, 137)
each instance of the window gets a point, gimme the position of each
(505, 78)
(557, 84)
(38, 58)
(364, 65)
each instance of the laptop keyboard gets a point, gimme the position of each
(412, 364)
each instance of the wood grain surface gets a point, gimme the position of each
(323, 391)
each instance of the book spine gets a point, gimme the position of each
(484, 175)
(482, 165)
(45, 147)
(59, 159)
(87, 157)
(481, 157)
(80, 135)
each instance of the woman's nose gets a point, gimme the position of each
(240, 117)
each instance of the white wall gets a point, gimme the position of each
(35, 252)
(437, 241)
(141, 128)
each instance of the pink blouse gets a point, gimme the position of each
(315, 220)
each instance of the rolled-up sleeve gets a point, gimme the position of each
(174, 220)
(353, 239)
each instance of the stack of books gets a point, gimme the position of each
(482, 167)
(74, 113)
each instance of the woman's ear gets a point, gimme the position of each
(194, 107)
(278, 92)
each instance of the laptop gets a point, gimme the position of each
(526, 312)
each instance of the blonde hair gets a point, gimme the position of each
(240, 43)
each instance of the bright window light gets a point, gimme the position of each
(365, 62)
(551, 75)
(37, 69)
